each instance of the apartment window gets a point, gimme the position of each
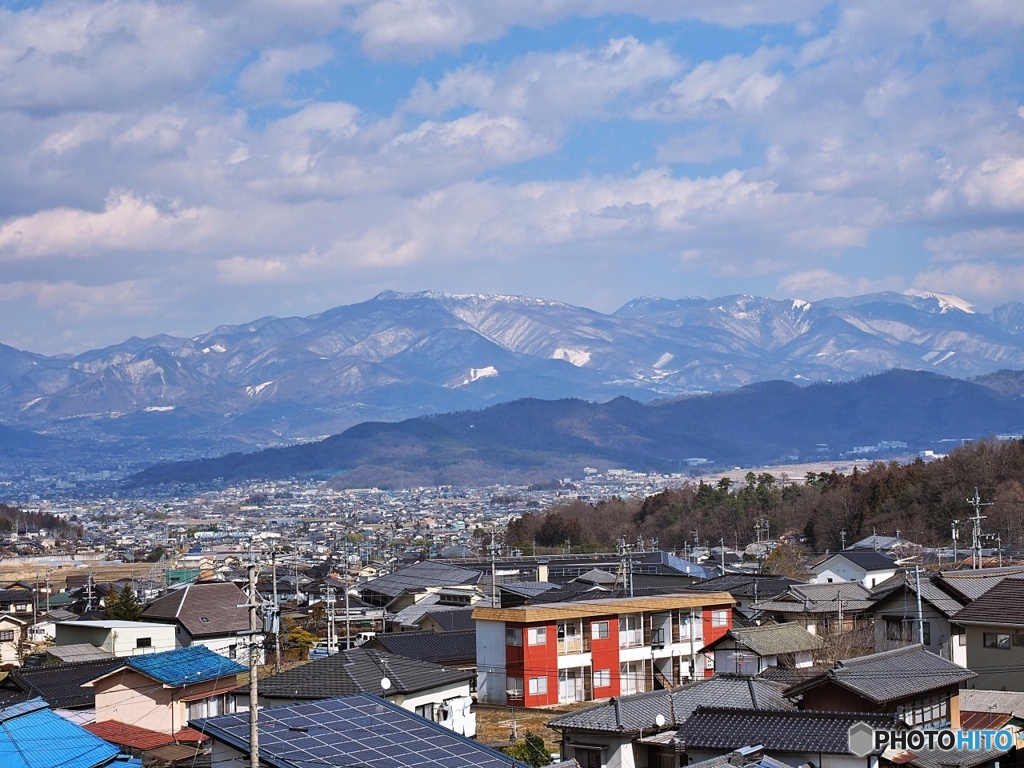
(538, 686)
(515, 688)
(599, 630)
(602, 678)
(631, 677)
(631, 632)
(995, 640)
(426, 711)
(719, 618)
(144, 642)
(537, 635)
(6, 635)
(513, 636)
(691, 627)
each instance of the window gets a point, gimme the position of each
(631, 677)
(538, 686)
(587, 757)
(720, 618)
(570, 637)
(691, 627)
(537, 635)
(1018, 640)
(995, 640)
(514, 688)
(602, 678)
(6, 635)
(513, 636)
(631, 633)
(426, 711)
(144, 642)
(599, 630)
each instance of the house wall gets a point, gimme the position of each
(490, 659)
(130, 697)
(9, 648)
(120, 641)
(604, 654)
(998, 669)
(941, 639)
(617, 751)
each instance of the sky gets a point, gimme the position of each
(167, 167)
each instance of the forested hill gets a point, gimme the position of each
(538, 439)
(919, 499)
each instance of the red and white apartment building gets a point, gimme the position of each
(557, 653)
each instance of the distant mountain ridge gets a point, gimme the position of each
(540, 439)
(398, 355)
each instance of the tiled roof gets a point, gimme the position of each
(128, 735)
(452, 620)
(776, 639)
(359, 670)
(204, 609)
(973, 584)
(184, 666)
(792, 731)
(352, 730)
(527, 588)
(638, 711)
(1004, 702)
(436, 647)
(891, 675)
(31, 735)
(424, 575)
(744, 585)
(934, 758)
(1002, 605)
(931, 593)
(60, 686)
(79, 652)
(730, 761)
(818, 598)
(867, 560)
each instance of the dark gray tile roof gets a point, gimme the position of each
(867, 559)
(527, 588)
(60, 686)
(792, 731)
(638, 711)
(818, 598)
(750, 586)
(1002, 605)
(454, 647)
(359, 671)
(891, 675)
(451, 621)
(974, 584)
(965, 758)
(420, 576)
(353, 730)
(203, 609)
(729, 761)
(931, 593)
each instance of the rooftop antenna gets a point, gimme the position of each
(977, 503)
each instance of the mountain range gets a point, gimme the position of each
(537, 440)
(280, 381)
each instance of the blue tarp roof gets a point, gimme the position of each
(33, 736)
(184, 666)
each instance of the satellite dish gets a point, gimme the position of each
(659, 720)
(385, 683)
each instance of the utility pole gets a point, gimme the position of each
(493, 548)
(254, 660)
(920, 613)
(955, 526)
(332, 641)
(277, 613)
(976, 502)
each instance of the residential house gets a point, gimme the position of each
(430, 690)
(897, 623)
(552, 653)
(866, 567)
(922, 689)
(751, 650)
(13, 633)
(796, 738)
(456, 649)
(120, 638)
(628, 731)
(748, 588)
(411, 585)
(994, 635)
(60, 686)
(34, 736)
(162, 691)
(838, 613)
(362, 730)
(17, 602)
(208, 613)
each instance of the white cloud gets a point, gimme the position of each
(266, 79)
(998, 242)
(126, 223)
(821, 283)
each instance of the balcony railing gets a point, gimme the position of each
(630, 638)
(573, 644)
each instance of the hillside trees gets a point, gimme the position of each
(918, 499)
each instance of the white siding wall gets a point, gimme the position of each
(490, 662)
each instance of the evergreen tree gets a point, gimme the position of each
(124, 606)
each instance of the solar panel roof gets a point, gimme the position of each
(359, 730)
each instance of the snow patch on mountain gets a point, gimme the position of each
(578, 357)
(158, 408)
(664, 360)
(947, 302)
(254, 391)
(475, 374)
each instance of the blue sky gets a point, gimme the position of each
(171, 166)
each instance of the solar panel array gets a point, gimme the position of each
(353, 731)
